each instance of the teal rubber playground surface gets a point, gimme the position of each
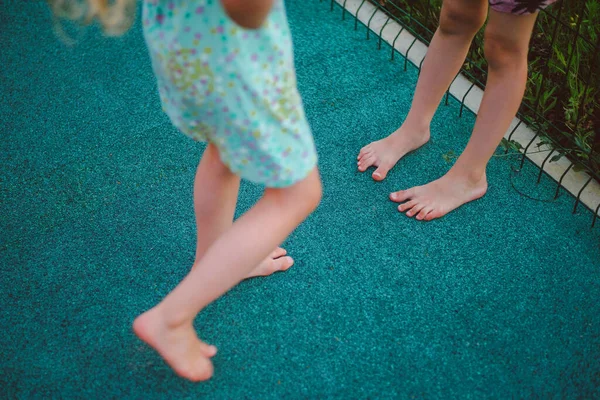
(499, 299)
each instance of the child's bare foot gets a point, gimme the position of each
(385, 153)
(178, 345)
(439, 197)
(276, 261)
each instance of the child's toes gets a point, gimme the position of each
(283, 263)
(272, 264)
(407, 206)
(279, 252)
(202, 370)
(423, 213)
(208, 350)
(364, 151)
(415, 210)
(366, 162)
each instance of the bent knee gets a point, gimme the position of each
(311, 190)
(302, 197)
(212, 158)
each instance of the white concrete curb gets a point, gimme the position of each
(573, 181)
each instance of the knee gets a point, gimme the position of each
(301, 198)
(502, 53)
(461, 21)
(211, 158)
(311, 191)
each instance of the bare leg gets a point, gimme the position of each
(506, 47)
(459, 22)
(215, 197)
(250, 14)
(168, 326)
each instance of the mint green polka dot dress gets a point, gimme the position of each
(233, 87)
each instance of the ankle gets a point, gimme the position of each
(416, 124)
(170, 319)
(471, 175)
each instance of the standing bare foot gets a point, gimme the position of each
(385, 153)
(276, 261)
(439, 197)
(178, 345)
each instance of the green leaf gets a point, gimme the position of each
(449, 156)
(578, 167)
(510, 144)
(516, 146)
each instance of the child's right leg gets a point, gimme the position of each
(215, 197)
(168, 326)
(459, 22)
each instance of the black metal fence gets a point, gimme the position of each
(562, 101)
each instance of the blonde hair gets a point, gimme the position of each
(114, 16)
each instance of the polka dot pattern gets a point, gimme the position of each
(231, 86)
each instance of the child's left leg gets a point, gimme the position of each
(215, 197)
(168, 327)
(506, 47)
